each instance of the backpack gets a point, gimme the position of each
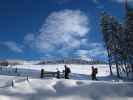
(96, 70)
(68, 69)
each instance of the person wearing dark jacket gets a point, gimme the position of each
(58, 73)
(94, 72)
(42, 73)
(67, 72)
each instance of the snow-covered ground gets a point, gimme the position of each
(78, 87)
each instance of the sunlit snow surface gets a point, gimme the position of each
(79, 87)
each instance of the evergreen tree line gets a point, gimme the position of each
(118, 39)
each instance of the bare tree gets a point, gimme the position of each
(118, 40)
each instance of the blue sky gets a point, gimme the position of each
(47, 29)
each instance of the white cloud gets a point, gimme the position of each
(97, 49)
(121, 1)
(13, 46)
(130, 2)
(84, 41)
(29, 37)
(94, 50)
(83, 54)
(29, 40)
(95, 1)
(94, 45)
(61, 31)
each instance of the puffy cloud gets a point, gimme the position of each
(83, 54)
(130, 2)
(13, 46)
(122, 1)
(95, 1)
(98, 4)
(62, 31)
(95, 50)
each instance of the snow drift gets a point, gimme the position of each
(54, 89)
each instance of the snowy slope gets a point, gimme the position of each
(54, 89)
(79, 87)
(78, 71)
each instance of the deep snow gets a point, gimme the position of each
(79, 87)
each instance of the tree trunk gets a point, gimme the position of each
(109, 60)
(132, 70)
(127, 70)
(110, 67)
(117, 67)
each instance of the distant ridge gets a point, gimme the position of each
(82, 60)
(70, 61)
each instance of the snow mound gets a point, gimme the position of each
(53, 89)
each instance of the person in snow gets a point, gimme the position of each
(67, 72)
(58, 73)
(94, 72)
(42, 73)
(16, 70)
